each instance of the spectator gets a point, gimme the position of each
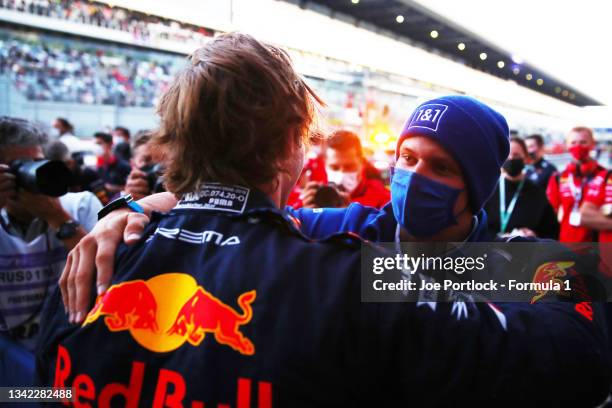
(121, 140)
(143, 27)
(143, 178)
(64, 132)
(540, 170)
(567, 189)
(345, 168)
(36, 234)
(72, 73)
(522, 209)
(112, 170)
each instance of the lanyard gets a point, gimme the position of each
(576, 193)
(504, 215)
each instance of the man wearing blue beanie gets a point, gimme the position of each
(475, 135)
(448, 161)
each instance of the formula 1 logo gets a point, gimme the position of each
(550, 272)
(168, 310)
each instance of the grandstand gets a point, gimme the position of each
(104, 65)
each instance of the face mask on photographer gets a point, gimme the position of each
(348, 180)
(98, 150)
(421, 205)
(514, 167)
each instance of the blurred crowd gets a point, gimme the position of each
(59, 73)
(143, 27)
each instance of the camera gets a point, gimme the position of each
(48, 177)
(328, 196)
(154, 177)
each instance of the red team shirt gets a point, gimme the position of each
(561, 197)
(600, 193)
(370, 192)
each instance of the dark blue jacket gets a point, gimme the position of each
(540, 172)
(225, 302)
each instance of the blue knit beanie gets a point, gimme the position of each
(473, 133)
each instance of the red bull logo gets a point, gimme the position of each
(168, 310)
(203, 313)
(549, 273)
(128, 304)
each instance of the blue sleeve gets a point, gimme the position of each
(367, 222)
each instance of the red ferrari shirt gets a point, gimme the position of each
(371, 193)
(599, 192)
(565, 191)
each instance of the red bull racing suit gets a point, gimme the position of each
(225, 303)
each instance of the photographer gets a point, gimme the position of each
(143, 179)
(36, 233)
(345, 167)
(83, 178)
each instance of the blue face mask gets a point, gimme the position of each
(421, 205)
